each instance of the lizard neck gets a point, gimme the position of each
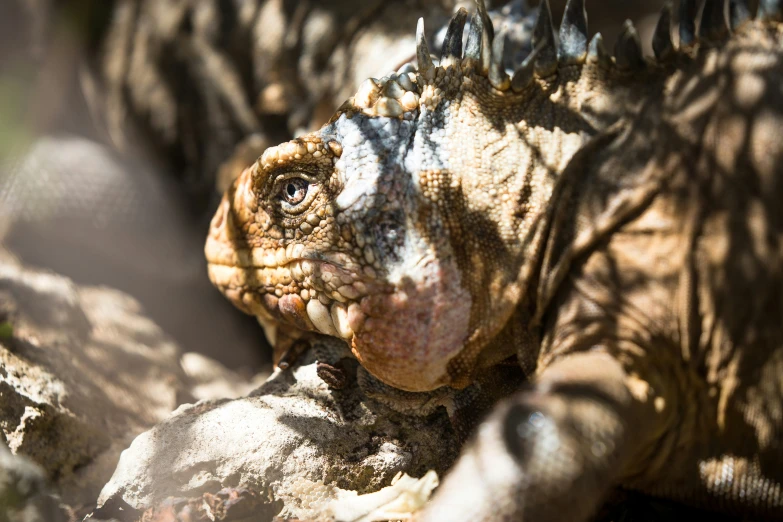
(507, 163)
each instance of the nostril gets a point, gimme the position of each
(220, 215)
(218, 222)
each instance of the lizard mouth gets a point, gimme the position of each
(284, 285)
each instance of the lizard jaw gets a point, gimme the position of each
(404, 335)
(408, 337)
(257, 291)
(285, 284)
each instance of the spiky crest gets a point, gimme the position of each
(400, 93)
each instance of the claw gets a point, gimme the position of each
(292, 353)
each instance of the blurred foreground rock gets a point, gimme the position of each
(82, 372)
(71, 205)
(24, 494)
(288, 450)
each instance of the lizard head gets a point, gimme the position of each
(340, 232)
(406, 225)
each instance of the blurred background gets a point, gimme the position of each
(122, 121)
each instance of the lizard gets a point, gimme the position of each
(607, 221)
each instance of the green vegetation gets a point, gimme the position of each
(6, 330)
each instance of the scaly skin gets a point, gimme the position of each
(426, 226)
(611, 222)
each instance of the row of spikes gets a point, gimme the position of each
(487, 51)
(713, 23)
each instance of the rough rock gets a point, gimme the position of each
(293, 442)
(82, 372)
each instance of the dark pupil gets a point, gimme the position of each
(291, 189)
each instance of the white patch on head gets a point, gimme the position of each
(355, 188)
(378, 146)
(430, 147)
(357, 180)
(379, 151)
(416, 257)
(372, 148)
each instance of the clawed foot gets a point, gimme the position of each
(329, 352)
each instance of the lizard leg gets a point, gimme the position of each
(552, 452)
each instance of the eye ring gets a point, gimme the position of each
(294, 191)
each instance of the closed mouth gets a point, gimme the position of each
(285, 284)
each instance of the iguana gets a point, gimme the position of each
(612, 222)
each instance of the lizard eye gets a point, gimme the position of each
(294, 190)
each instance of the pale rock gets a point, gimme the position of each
(83, 372)
(306, 448)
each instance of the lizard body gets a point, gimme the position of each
(611, 221)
